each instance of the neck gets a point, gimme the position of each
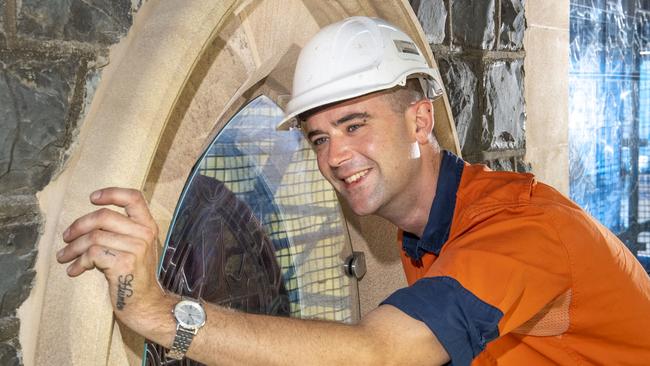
(412, 214)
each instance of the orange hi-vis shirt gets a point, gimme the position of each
(511, 272)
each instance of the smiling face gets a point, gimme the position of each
(368, 152)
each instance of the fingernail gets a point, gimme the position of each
(96, 195)
(66, 233)
(69, 269)
(59, 254)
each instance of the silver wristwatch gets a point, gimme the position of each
(190, 317)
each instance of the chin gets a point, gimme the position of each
(362, 213)
(362, 210)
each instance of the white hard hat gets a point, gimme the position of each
(353, 57)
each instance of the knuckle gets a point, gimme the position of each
(95, 236)
(140, 247)
(87, 263)
(136, 195)
(100, 214)
(149, 234)
(94, 250)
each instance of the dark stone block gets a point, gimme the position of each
(2, 17)
(8, 355)
(504, 113)
(95, 21)
(19, 239)
(34, 101)
(9, 328)
(524, 167)
(16, 282)
(20, 208)
(432, 14)
(3, 26)
(513, 25)
(473, 24)
(459, 77)
(504, 165)
(511, 165)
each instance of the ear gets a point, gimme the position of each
(423, 121)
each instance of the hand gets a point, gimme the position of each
(123, 248)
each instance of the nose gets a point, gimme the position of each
(338, 151)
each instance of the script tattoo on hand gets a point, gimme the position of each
(124, 290)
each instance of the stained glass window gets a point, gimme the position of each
(257, 228)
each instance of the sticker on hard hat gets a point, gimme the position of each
(406, 47)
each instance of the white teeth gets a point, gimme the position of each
(355, 177)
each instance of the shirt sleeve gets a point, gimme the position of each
(462, 322)
(487, 282)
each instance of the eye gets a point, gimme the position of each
(319, 141)
(353, 127)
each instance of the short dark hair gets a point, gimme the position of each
(400, 97)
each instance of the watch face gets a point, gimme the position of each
(189, 314)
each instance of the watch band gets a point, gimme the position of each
(181, 343)
(184, 333)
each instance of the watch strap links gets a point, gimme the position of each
(182, 342)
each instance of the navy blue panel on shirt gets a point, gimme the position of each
(436, 232)
(462, 322)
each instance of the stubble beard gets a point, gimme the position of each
(371, 201)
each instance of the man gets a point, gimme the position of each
(502, 269)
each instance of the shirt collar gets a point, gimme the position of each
(436, 232)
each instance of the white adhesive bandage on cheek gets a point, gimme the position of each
(415, 150)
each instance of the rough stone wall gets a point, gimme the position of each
(51, 53)
(479, 49)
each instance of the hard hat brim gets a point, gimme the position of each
(291, 118)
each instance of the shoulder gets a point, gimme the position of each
(506, 218)
(479, 184)
(482, 190)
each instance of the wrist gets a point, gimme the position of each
(156, 321)
(190, 317)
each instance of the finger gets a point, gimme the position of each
(96, 257)
(106, 239)
(131, 200)
(107, 220)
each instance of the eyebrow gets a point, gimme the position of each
(340, 121)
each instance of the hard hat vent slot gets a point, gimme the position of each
(406, 47)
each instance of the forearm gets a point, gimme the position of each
(123, 247)
(235, 338)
